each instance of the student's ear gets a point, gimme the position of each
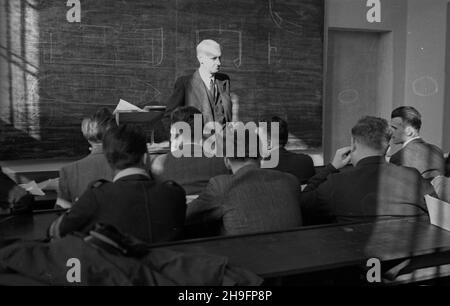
(353, 145)
(227, 163)
(409, 131)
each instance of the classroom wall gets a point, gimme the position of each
(419, 30)
(425, 65)
(361, 79)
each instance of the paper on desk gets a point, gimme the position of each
(125, 106)
(50, 184)
(191, 197)
(32, 188)
(439, 212)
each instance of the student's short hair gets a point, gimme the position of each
(184, 114)
(283, 132)
(124, 146)
(373, 132)
(95, 126)
(409, 115)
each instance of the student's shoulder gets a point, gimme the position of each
(169, 186)
(100, 185)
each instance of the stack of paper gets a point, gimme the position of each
(32, 188)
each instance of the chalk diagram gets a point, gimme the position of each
(287, 19)
(270, 49)
(425, 86)
(348, 96)
(55, 93)
(112, 45)
(230, 40)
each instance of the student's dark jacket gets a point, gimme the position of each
(134, 204)
(373, 188)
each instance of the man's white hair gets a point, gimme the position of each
(208, 46)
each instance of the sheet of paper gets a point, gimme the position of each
(50, 184)
(32, 188)
(125, 106)
(439, 212)
(190, 198)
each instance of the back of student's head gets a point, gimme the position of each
(185, 114)
(283, 132)
(372, 132)
(241, 146)
(95, 126)
(409, 115)
(124, 146)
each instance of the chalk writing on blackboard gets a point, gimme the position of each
(270, 48)
(425, 86)
(112, 46)
(288, 23)
(348, 96)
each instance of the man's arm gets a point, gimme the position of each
(13, 196)
(317, 196)
(207, 207)
(75, 219)
(175, 100)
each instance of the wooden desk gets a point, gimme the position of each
(23, 171)
(312, 249)
(294, 252)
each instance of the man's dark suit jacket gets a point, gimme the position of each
(300, 165)
(8, 190)
(373, 188)
(447, 166)
(251, 200)
(134, 204)
(191, 91)
(192, 173)
(426, 158)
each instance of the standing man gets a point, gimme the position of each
(415, 152)
(206, 89)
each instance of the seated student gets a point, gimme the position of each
(300, 165)
(132, 203)
(75, 177)
(428, 159)
(13, 198)
(249, 200)
(372, 188)
(191, 172)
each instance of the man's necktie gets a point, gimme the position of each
(212, 87)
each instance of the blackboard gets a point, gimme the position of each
(53, 73)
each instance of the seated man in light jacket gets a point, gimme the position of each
(76, 177)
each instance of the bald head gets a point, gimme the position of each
(208, 55)
(208, 47)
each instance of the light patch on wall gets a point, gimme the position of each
(425, 86)
(23, 57)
